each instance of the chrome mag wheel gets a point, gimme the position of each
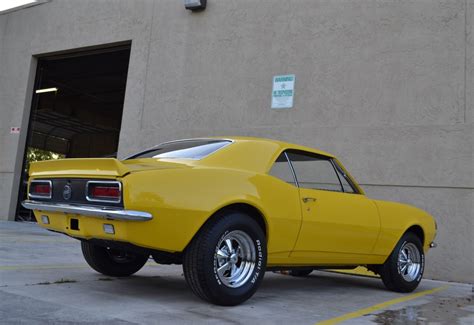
(235, 258)
(409, 262)
(226, 262)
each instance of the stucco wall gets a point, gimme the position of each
(385, 85)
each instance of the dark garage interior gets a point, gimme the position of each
(76, 108)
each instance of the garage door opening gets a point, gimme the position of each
(76, 109)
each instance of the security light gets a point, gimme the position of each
(195, 5)
(46, 90)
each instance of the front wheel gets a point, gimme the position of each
(403, 270)
(112, 262)
(225, 263)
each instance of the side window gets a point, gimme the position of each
(342, 177)
(314, 171)
(281, 169)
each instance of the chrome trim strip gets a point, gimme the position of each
(111, 213)
(292, 169)
(105, 200)
(338, 177)
(341, 171)
(33, 196)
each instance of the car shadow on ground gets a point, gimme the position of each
(158, 287)
(322, 281)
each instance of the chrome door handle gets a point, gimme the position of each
(309, 199)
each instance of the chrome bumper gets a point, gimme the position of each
(110, 213)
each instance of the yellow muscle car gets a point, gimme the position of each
(228, 209)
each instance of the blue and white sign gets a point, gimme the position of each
(283, 91)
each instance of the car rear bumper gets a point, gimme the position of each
(110, 213)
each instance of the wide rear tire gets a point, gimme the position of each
(112, 262)
(225, 263)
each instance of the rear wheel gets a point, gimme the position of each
(403, 270)
(225, 262)
(112, 262)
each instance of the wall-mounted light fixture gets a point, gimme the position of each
(46, 90)
(195, 5)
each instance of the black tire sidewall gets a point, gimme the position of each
(397, 281)
(217, 290)
(100, 260)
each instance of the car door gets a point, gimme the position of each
(336, 219)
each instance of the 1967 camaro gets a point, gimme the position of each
(228, 209)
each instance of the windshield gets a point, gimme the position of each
(186, 149)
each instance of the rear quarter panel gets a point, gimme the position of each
(395, 219)
(181, 201)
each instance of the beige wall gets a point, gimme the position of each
(385, 85)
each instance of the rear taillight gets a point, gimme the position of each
(104, 191)
(40, 189)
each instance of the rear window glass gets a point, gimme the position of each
(186, 149)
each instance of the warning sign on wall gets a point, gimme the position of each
(283, 91)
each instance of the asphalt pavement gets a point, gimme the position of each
(44, 280)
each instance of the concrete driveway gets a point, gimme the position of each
(44, 279)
